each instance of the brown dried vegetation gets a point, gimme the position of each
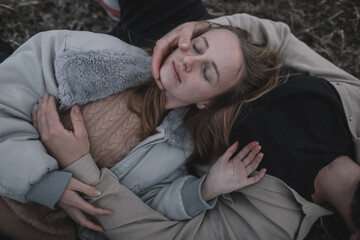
(331, 27)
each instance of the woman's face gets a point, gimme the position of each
(208, 68)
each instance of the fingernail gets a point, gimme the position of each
(76, 109)
(183, 44)
(97, 192)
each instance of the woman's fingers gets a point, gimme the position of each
(41, 116)
(257, 177)
(34, 119)
(229, 152)
(71, 200)
(245, 151)
(46, 120)
(79, 217)
(254, 164)
(88, 190)
(251, 155)
(86, 207)
(79, 186)
(83, 221)
(52, 115)
(77, 122)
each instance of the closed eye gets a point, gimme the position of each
(196, 49)
(204, 73)
(204, 66)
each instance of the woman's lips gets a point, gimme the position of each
(176, 72)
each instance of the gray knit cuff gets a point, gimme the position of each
(192, 200)
(49, 189)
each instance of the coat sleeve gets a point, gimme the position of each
(25, 77)
(160, 179)
(131, 215)
(178, 196)
(294, 53)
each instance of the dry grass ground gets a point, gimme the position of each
(331, 27)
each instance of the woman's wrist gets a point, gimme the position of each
(63, 163)
(207, 192)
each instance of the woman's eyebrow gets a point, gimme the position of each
(206, 42)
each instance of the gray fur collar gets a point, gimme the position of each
(85, 76)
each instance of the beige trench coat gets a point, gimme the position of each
(267, 210)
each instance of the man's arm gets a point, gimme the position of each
(276, 35)
(294, 52)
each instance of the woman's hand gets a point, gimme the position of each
(75, 205)
(179, 36)
(64, 145)
(228, 175)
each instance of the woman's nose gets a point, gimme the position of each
(190, 62)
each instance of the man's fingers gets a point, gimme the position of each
(161, 49)
(159, 84)
(184, 39)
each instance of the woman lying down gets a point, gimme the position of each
(282, 214)
(201, 84)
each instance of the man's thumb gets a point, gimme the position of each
(77, 121)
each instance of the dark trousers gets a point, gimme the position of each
(143, 22)
(5, 50)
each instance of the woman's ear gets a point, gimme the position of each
(203, 105)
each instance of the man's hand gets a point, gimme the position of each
(228, 175)
(179, 36)
(64, 145)
(75, 205)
